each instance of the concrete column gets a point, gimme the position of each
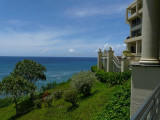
(125, 65)
(127, 15)
(150, 32)
(127, 47)
(105, 64)
(138, 47)
(137, 7)
(110, 61)
(105, 60)
(99, 65)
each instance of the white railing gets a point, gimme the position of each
(150, 110)
(116, 64)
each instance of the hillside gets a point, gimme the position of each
(88, 107)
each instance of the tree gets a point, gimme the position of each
(71, 96)
(83, 82)
(30, 70)
(16, 86)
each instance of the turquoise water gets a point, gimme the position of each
(59, 69)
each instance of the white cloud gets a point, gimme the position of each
(97, 10)
(106, 46)
(51, 43)
(117, 48)
(71, 50)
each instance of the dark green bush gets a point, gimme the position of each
(38, 103)
(83, 82)
(58, 94)
(94, 68)
(112, 78)
(118, 108)
(71, 96)
(102, 76)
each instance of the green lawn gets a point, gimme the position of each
(87, 108)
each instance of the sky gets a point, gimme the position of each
(62, 28)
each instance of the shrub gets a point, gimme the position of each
(71, 96)
(126, 75)
(83, 82)
(38, 103)
(102, 76)
(58, 94)
(94, 68)
(112, 78)
(45, 94)
(48, 100)
(118, 107)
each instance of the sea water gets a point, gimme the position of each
(59, 69)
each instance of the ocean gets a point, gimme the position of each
(59, 69)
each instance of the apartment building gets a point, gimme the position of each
(134, 20)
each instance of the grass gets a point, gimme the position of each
(87, 108)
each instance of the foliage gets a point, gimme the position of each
(127, 53)
(16, 86)
(112, 78)
(38, 103)
(102, 76)
(94, 68)
(118, 107)
(4, 102)
(49, 86)
(48, 100)
(71, 96)
(58, 94)
(45, 94)
(83, 82)
(30, 70)
(88, 108)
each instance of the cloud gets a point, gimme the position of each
(71, 50)
(97, 10)
(52, 42)
(118, 48)
(106, 46)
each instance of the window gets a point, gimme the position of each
(136, 22)
(136, 33)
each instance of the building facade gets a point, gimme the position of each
(134, 20)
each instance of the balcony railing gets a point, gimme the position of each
(150, 110)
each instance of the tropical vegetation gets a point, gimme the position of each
(87, 95)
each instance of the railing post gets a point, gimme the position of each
(99, 65)
(125, 64)
(158, 108)
(153, 110)
(105, 60)
(110, 60)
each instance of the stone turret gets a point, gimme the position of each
(109, 60)
(99, 65)
(105, 60)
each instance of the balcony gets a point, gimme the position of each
(134, 9)
(133, 39)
